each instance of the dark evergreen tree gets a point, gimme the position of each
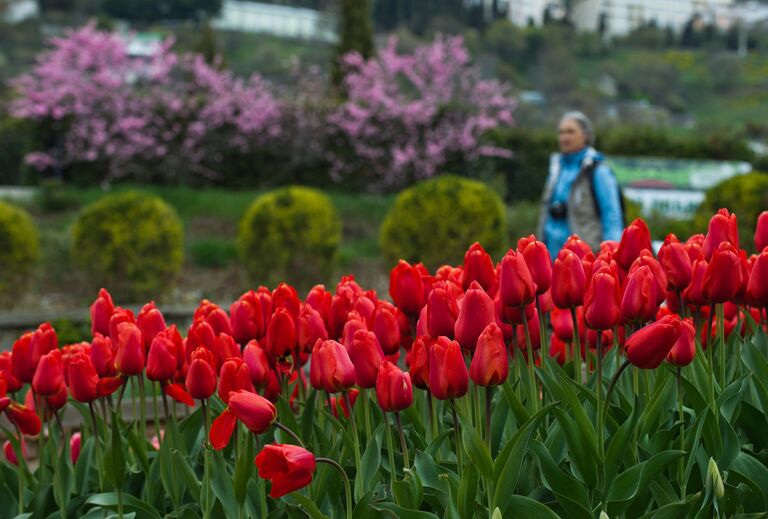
(355, 33)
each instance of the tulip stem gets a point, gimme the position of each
(457, 436)
(290, 433)
(355, 438)
(599, 388)
(543, 334)
(122, 392)
(367, 414)
(609, 392)
(721, 346)
(21, 463)
(488, 402)
(681, 463)
(345, 477)
(156, 411)
(390, 454)
(142, 410)
(403, 445)
(432, 415)
(97, 443)
(206, 464)
(577, 349)
(531, 374)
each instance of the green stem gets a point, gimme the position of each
(355, 439)
(609, 392)
(155, 410)
(20, 467)
(488, 401)
(432, 415)
(290, 433)
(721, 345)
(347, 486)
(97, 444)
(543, 335)
(599, 388)
(390, 454)
(366, 413)
(534, 392)
(142, 410)
(681, 462)
(457, 436)
(206, 463)
(711, 360)
(120, 503)
(403, 444)
(577, 343)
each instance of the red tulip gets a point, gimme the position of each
(24, 361)
(635, 239)
(10, 454)
(103, 355)
(448, 376)
(129, 359)
(538, 260)
(516, 285)
(393, 388)
(256, 412)
(225, 348)
(386, 328)
(234, 376)
(365, 308)
(320, 299)
(649, 346)
(247, 318)
(533, 330)
(258, 363)
(684, 349)
(331, 368)
(201, 377)
(366, 355)
(101, 313)
(311, 328)
(151, 322)
(602, 304)
(761, 232)
(638, 304)
(281, 334)
(288, 467)
(24, 418)
(569, 281)
(418, 362)
(119, 316)
(676, 263)
(83, 378)
(406, 288)
(562, 324)
(694, 294)
(442, 309)
(490, 366)
(478, 266)
(74, 447)
(49, 376)
(723, 276)
(341, 305)
(285, 296)
(577, 246)
(558, 349)
(476, 311)
(758, 280)
(213, 315)
(161, 361)
(723, 227)
(646, 259)
(340, 404)
(13, 384)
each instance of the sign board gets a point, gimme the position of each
(671, 187)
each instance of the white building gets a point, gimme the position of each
(523, 12)
(18, 11)
(280, 20)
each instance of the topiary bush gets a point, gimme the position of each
(19, 250)
(292, 234)
(130, 242)
(745, 195)
(436, 220)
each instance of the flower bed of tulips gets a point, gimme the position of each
(610, 384)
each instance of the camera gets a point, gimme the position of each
(558, 210)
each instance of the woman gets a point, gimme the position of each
(581, 195)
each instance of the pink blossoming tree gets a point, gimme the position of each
(168, 114)
(406, 115)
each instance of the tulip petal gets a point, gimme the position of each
(178, 393)
(222, 428)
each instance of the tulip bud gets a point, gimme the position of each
(602, 304)
(24, 361)
(676, 263)
(406, 288)
(516, 285)
(256, 412)
(10, 454)
(258, 363)
(331, 368)
(418, 362)
(393, 388)
(281, 334)
(161, 361)
(577, 246)
(24, 418)
(723, 276)
(217, 318)
(442, 310)
(723, 227)
(650, 345)
(478, 266)
(757, 289)
(225, 348)
(119, 316)
(320, 300)
(761, 232)
(448, 376)
(639, 302)
(234, 376)
(151, 322)
(129, 359)
(558, 349)
(247, 318)
(311, 328)
(6, 372)
(562, 324)
(538, 260)
(490, 366)
(635, 239)
(49, 376)
(568, 281)
(476, 311)
(366, 355)
(386, 328)
(684, 349)
(103, 355)
(101, 312)
(714, 479)
(74, 447)
(288, 467)
(285, 296)
(201, 377)
(83, 378)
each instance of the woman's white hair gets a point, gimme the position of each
(584, 122)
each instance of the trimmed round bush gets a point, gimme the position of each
(292, 234)
(435, 221)
(19, 248)
(745, 195)
(131, 243)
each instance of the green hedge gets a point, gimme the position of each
(19, 250)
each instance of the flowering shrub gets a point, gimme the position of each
(169, 113)
(408, 114)
(614, 383)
